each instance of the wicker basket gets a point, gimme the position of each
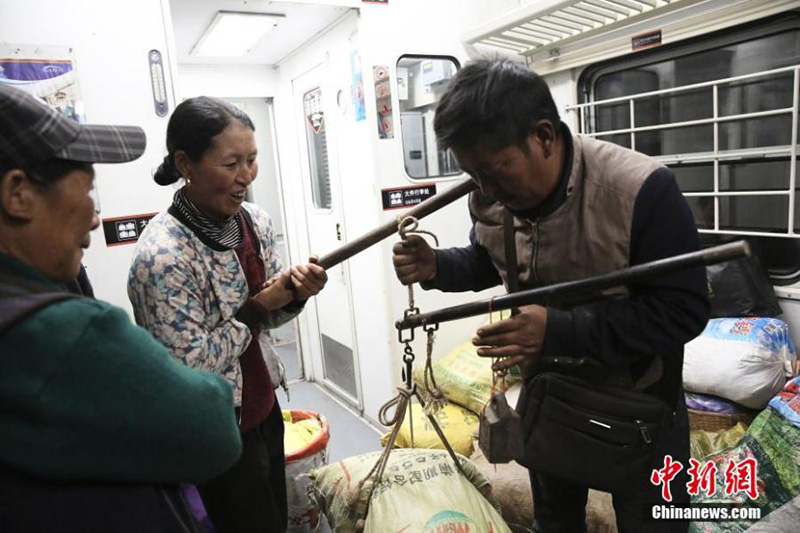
(718, 421)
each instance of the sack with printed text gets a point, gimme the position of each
(421, 491)
(465, 378)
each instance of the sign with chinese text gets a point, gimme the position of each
(739, 477)
(646, 40)
(406, 196)
(125, 230)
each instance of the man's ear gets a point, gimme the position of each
(544, 133)
(18, 196)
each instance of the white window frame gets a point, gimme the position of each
(421, 180)
(717, 155)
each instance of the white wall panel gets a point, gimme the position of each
(230, 81)
(111, 40)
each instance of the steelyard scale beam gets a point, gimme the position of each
(424, 209)
(625, 276)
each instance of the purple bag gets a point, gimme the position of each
(710, 404)
(196, 507)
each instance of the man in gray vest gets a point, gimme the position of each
(578, 207)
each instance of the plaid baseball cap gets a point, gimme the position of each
(32, 132)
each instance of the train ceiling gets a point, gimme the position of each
(301, 21)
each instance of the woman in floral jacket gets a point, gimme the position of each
(206, 280)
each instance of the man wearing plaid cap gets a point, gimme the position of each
(97, 419)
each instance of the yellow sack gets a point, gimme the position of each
(465, 378)
(457, 424)
(421, 492)
(703, 443)
(298, 435)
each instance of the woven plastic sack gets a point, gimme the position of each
(512, 487)
(421, 492)
(774, 443)
(745, 360)
(787, 402)
(465, 378)
(305, 442)
(703, 443)
(457, 423)
(299, 433)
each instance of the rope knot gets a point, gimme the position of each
(407, 225)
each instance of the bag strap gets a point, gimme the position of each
(21, 296)
(510, 246)
(671, 379)
(13, 310)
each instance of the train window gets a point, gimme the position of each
(720, 112)
(317, 149)
(421, 80)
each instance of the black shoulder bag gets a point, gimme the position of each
(601, 437)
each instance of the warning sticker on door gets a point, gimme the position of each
(406, 196)
(312, 104)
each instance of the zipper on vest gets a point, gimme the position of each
(646, 437)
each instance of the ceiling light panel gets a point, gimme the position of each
(233, 33)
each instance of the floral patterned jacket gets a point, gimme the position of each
(186, 294)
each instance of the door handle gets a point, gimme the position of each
(338, 232)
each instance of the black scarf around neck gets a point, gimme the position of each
(218, 235)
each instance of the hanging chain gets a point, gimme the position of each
(411, 388)
(436, 399)
(497, 375)
(406, 226)
(402, 402)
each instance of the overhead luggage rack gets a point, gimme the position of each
(547, 25)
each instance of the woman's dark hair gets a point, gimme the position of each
(494, 102)
(192, 126)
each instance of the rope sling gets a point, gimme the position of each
(431, 402)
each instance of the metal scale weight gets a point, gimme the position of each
(493, 447)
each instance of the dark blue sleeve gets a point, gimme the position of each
(468, 268)
(661, 314)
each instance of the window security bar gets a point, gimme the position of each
(721, 194)
(717, 155)
(748, 233)
(698, 122)
(686, 88)
(726, 155)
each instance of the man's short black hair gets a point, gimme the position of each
(493, 102)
